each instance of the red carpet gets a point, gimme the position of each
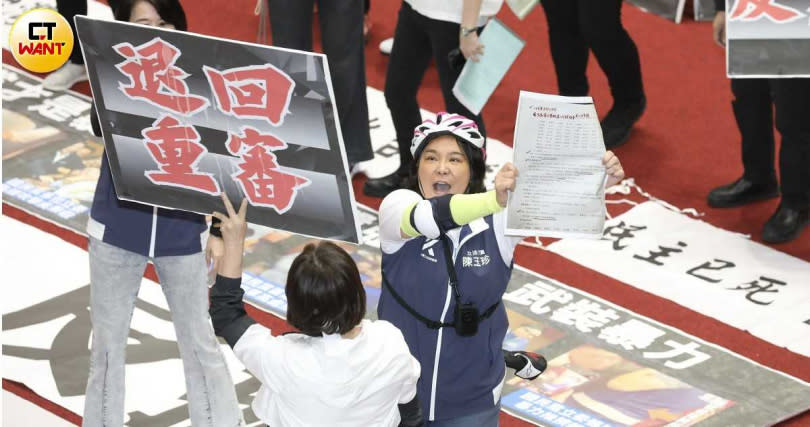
(685, 144)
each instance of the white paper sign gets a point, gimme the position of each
(558, 150)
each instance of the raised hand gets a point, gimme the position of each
(505, 181)
(234, 228)
(613, 168)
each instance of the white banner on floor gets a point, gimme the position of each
(18, 412)
(51, 354)
(712, 271)
(47, 331)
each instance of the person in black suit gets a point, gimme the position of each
(341, 24)
(754, 102)
(73, 71)
(576, 27)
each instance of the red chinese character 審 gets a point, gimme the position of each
(258, 176)
(751, 10)
(256, 91)
(177, 150)
(154, 77)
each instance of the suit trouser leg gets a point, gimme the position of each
(409, 59)
(343, 43)
(792, 101)
(753, 111)
(69, 9)
(291, 23)
(600, 22)
(569, 52)
(342, 35)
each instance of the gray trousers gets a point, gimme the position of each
(115, 277)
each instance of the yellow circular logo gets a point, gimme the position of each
(41, 40)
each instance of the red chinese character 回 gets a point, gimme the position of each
(177, 150)
(751, 10)
(258, 176)
(154, 77)
(256, 91)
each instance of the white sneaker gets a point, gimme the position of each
(65, 77)
(386, 45)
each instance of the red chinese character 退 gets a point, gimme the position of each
(154, 77)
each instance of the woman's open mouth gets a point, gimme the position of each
(441, 187)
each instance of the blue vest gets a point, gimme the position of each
(459, 374)
(128, 225)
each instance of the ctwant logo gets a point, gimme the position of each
(41, 40)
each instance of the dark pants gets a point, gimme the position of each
(574, 26)
(342, 39)
(753, 105)
(69, 9)
(417, 40)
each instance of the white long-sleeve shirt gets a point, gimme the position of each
(450, 10)
(330, 381)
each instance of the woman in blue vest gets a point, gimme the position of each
(124, 236)
(450, 312)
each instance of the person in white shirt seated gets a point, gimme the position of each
(340, 370)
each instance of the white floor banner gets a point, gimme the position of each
(617, 361)
(46, 333)
(18, 412)
(712, 271)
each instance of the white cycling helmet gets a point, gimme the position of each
(446, 124)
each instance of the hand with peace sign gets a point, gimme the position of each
(234, 228)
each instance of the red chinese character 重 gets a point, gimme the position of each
(254, 92)
(751, 10)
(154, 78)
(258, 176)
(177, 150)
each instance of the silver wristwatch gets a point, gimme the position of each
(464, 32)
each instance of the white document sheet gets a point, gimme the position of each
(558, 150)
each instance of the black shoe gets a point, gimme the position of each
(741, 192)
(527, 365)
(619, 121)
(380, 187)
(786, 224)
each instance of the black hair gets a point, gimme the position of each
(169, 10)
(324, 291)
(475, 158)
